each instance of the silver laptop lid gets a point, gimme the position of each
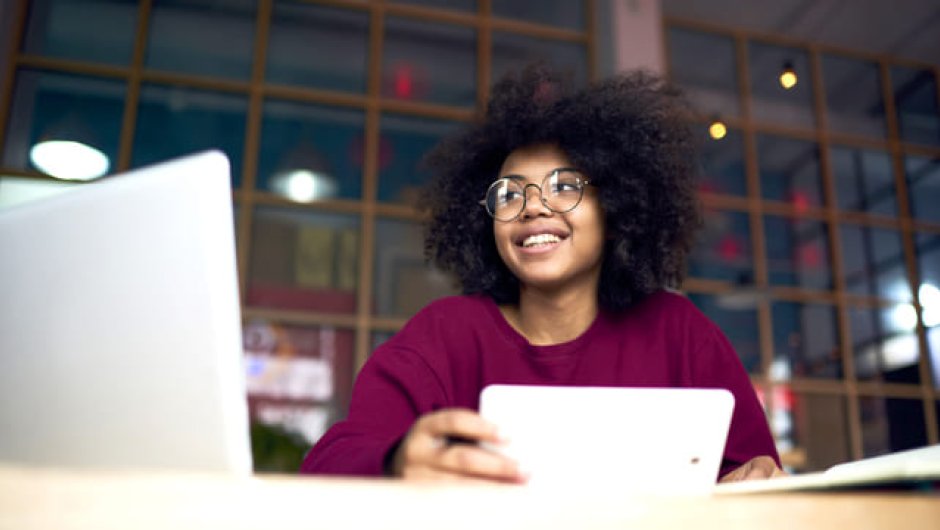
(120, 341)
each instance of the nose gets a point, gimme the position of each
(533, 204)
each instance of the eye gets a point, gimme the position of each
(564, 184)
(503, 193)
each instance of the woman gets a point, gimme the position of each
(565, 215)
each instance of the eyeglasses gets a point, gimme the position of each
(561, 191)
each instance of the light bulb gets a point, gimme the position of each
(717, 130)
(788, 77)
(69, 160)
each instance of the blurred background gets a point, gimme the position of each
(819, 123)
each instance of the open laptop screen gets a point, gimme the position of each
(120, 342)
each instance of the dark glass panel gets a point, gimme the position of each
(864, 180)
(770, 101)
(789, 171)
(460, 5)
(429, 61)
(915, 100)
(797, 252)
(174, 121)
(891, 424)
(303, 261)
(884, 344)
(923, 186)
(873, 262)
(723, 249)
(853, 96)
(927, 249)
(512, 52)
(403, 143)
(806, 341)
(304, 41)
(811, 429)
(202, 37)
(404, 282)
(568, 14)
(311, 152)
(100, 31)
(739, 324)
(723, 166)
(703, 64)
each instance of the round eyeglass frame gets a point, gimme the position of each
(582, 182)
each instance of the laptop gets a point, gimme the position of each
(120, 333)
(660, 441)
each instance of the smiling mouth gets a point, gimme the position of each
(540, 240)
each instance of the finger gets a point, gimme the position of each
(460, 423)
(473, 461)
(432, 474)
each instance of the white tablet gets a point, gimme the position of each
(661, 441)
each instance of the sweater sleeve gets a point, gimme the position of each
(393, 388)
(718, 366)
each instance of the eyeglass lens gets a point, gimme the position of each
(560, 192)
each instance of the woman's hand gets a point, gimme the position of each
(759, 467)
(429, 450)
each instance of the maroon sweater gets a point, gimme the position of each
(456, 346)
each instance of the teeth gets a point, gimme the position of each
(540, 239)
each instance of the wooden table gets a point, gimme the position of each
(32, 498)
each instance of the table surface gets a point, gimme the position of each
(36, 498)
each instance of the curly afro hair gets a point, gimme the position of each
(629, 134)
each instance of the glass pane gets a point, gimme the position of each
(429, 61)
(311, 152)
(51, 106)
(379, 337)
(738, 324)
(299, 380)
(513, 52)
(789, 171)
(462, 5)
(818, 434)
(806, 341)
(873, 262)
(853, 96)
(563, 13)
(884, 344)
(404, 141)
(303, 261)
(63, 29)
(179, 39)
(770, 101)
(404, 283)
(927, 248)
(723, 250)
(723, 167)
(923, 186)
(173, 121)
(703, 64)
(891, 424)
(864, 180)
(797, 252)
(303, 44)
(915, 98)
